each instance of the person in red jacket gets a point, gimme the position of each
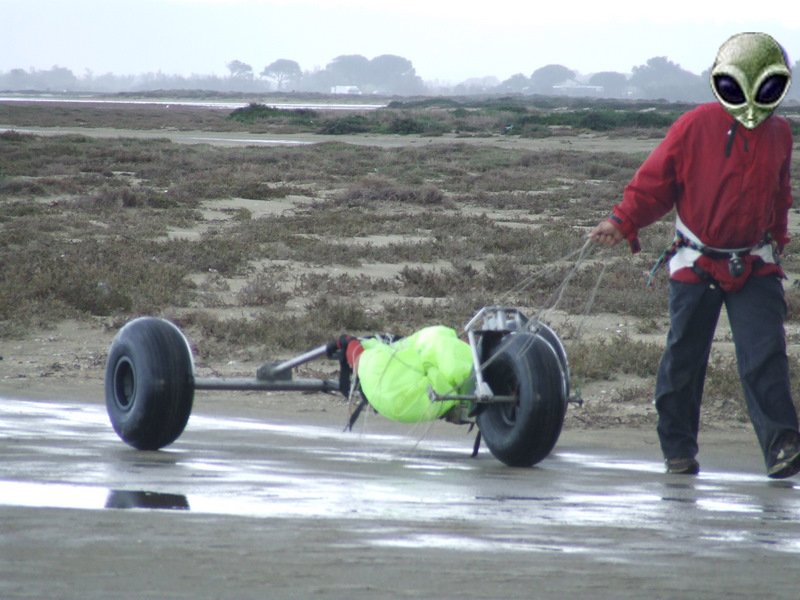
(724, 168)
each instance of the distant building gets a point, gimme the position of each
(346, 89)
(570, 87)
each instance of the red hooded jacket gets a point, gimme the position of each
(730, 186)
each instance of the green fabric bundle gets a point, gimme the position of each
(395, 377)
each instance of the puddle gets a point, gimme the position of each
(253, 141)
(606, 463)
(198, 103)
(467, 544)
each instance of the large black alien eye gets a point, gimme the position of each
(728, 89)
(771, 90)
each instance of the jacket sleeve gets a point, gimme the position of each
(653, 191)
(783, 202)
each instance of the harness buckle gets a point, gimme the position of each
(735, 266)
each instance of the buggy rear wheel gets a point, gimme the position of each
(149, 384)
(527, 366)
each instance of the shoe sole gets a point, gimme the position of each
(692, 468)
(785, 468)
(689, 471)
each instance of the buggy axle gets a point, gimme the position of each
(291, 385)
(469, 397)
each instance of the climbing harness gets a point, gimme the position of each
(732, 255)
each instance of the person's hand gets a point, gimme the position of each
(606, 234)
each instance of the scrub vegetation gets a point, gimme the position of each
(513, 116)
(263, 250)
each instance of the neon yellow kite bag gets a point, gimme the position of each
(395, 377)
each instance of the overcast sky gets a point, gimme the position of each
(446, 40)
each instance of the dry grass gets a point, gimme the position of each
(85, 232)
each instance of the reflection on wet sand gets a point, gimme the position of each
(149, 500)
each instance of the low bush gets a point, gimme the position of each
(255, 113)
(391, 238)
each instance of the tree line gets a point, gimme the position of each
(387, 74)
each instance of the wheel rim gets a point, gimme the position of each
(124, 384)
(509, 413)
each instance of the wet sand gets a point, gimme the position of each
(260, 498)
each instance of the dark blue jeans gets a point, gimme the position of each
(756, 314)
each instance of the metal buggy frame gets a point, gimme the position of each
(520, 370)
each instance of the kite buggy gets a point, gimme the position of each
(510, 378)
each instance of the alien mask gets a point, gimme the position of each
(750, 77)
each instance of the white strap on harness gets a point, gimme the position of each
(686, 256)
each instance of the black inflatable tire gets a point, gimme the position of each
(550, 337)
(523, 433)
(149, 383)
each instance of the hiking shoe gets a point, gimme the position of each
(787, 459)
(683, 466)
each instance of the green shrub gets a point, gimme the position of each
(415, 126)
(255, 113)
(346, 125)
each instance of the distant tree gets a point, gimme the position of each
(704, 93)
(349, 69)
(613, 83)
(107, 82)
(318, 80)
(61, 78)
(55, 79)
(240, 70)
(476, 85)
(16, 79)
(655, 71)
(544, 78)
(390, 73)
(282, 71)
(387, 68)
(662, 78)
(515, 84)
(794, 91)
